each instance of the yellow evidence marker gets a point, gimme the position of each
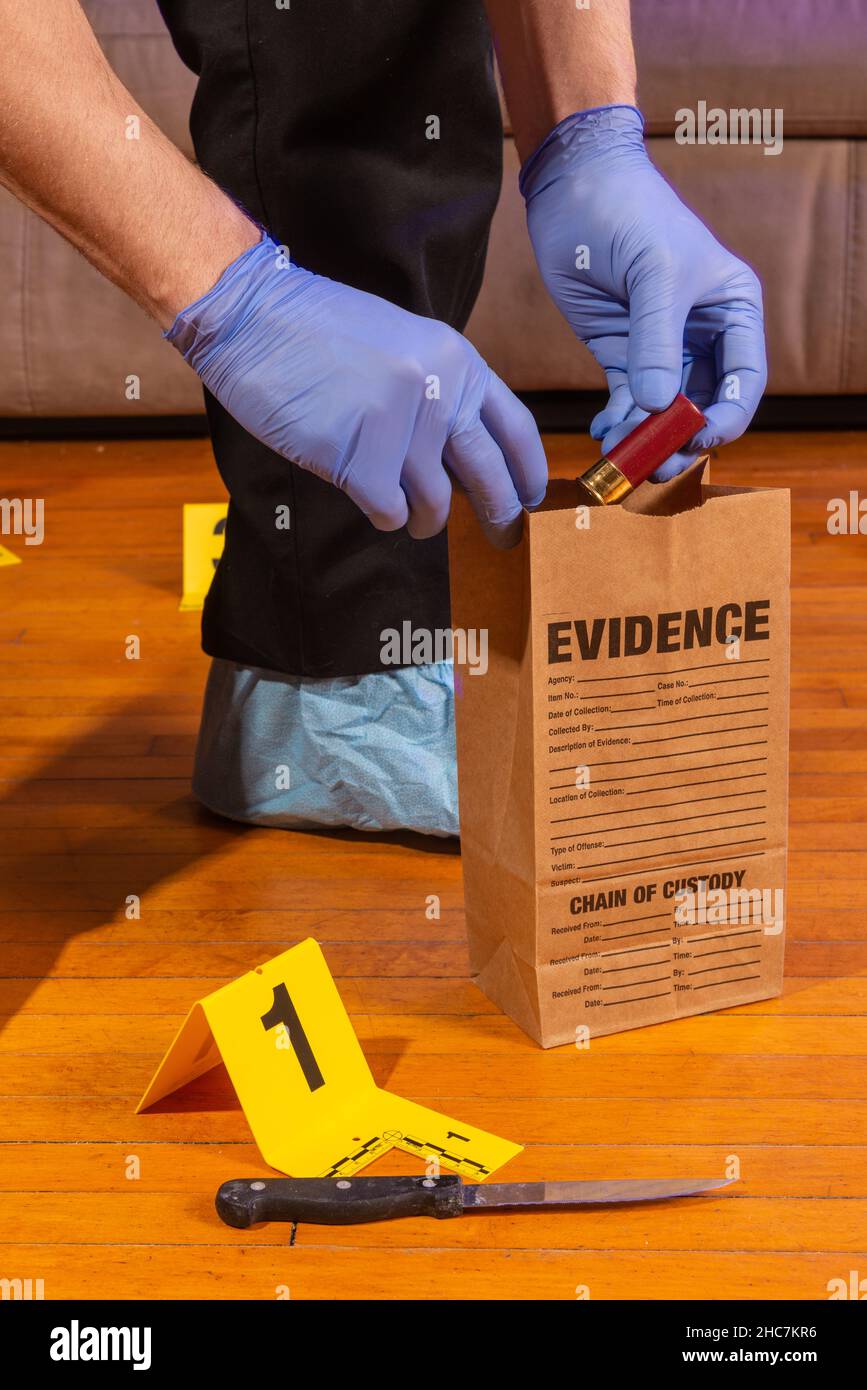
(204, 531)
(302, 1079)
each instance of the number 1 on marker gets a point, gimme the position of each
(284, 1011)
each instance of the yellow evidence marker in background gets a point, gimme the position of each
(204, 530)
(302, 1079)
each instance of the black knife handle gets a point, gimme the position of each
(242, 1202)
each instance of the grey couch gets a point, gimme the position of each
(69, 340)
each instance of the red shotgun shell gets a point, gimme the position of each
(638, 455)
(656, 439)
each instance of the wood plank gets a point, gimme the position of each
(783, 1170)
(82, 1032)
(718, 1121)
(404, 1067)
(711, 1222)
(250, 1271)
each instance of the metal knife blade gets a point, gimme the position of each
(584, 1193)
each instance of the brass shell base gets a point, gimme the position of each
(606, 483)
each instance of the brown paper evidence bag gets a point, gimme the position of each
(622, 760)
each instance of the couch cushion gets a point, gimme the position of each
(808, 58)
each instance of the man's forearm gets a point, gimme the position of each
(556, 58)
(135, 207)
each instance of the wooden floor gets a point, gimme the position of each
(94, 805)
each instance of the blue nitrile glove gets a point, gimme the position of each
(363, 394)
(660, 304)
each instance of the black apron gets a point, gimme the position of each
(315, 119)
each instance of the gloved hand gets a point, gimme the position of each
(660, 304)
(363, 394)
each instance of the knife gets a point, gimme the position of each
(242, 1202)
